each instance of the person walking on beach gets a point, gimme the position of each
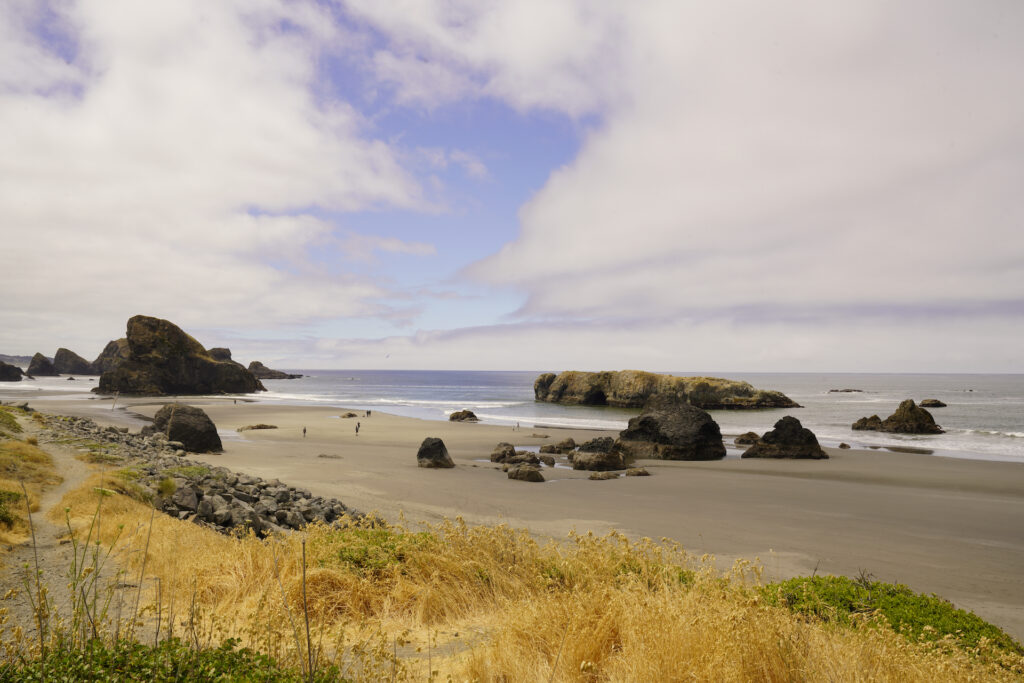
(357, 429)
(303, 432)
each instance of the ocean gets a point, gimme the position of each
(984, 417)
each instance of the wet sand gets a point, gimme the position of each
(940, 525)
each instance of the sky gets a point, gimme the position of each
(519, 185)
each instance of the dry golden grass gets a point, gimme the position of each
(493, 604)
(22, 462)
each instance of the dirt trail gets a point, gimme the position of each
(54, 557)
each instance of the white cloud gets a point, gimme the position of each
(167, 166)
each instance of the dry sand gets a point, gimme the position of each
(949, 526)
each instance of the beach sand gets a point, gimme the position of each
(940, 525)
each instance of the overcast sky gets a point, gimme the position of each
(519, 184)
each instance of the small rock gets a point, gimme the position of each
(637, 472)
(599, 476)
(525, 473)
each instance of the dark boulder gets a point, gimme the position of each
(599, 461)
(845, 391)
(932, 403)
(564, 447)
(261, 371)
(844, 446)
(70, 363)
(112, 355)
(910, 418)
(672, 430)
(432, 453)
(463, 416)
(189, 425)
(40, 366)
(873, 423)
(522, 457)
(165, 360)
(600, 444)
(746, 439)
(10, 373)
(789, 439)
(502, 452)
(525, 473)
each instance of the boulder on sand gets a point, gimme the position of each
(670, 429)
(40, 366)
(525, 472)
(502, 452)
(598, 460)
(70, 363)
(789, 439)
(909, 418)
(433, 454)
(163, 360)
(463, 416)
(186, 424)
(10, 373)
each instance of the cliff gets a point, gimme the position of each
(633, 388)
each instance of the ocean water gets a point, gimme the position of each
(984, 418)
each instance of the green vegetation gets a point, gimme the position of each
(371, 552)
(8, 423)
(917, 616)
(190, 471)
(6, 499)
(166, 487)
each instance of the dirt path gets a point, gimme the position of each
(54, 557)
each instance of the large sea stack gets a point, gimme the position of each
(10, 373)
(633, 388)
(70, 363)
(40, 366)
(112, 355)
(261, 371)
(670, 429)
(164, 360)
(909, 418)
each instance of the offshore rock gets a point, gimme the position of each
(633, 388)
(746, 439)
(261, 371)
(789, 439)
(163, 360)
(10, 373)
(434, 454)
(40, 366)
(188, 425)
(873, 423)
(932, 403)
(70, 363)
(112, 355)
(671, 430)
(909, 418)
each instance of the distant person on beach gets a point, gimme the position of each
(303, 432)
(357, 429)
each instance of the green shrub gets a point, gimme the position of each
(917, 616)
(7, 421)
(6, 499)
(190, 471)
(166, 487)
(371, 551)
(171, 660)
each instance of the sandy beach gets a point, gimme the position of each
(941, 525)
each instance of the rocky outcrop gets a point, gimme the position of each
(40, 366)
(564, 447)
(789, 439)
(433, 453)
(164, 360)
(932, 403)
(909, 418)
(746, 439)
(671, 430)
(10, 373)
(112, 355)
(873, 423)
(261, 371)
(600, 444)
(70, 363)
(633, 388)
(188, 425)
(463, 416)
(502, 452)
(598, 460)
(525, 473)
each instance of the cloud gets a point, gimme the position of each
(167, 161)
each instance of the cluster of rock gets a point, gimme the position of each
(261, 371)
(463, 416)
(788, 439)
(164, 360)
(909, 418)
(633, 388)
(199, 492)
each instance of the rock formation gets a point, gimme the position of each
(434, 454)
(188, 425)
(746, 439)
(261, 371)
(41, 367)
(669, 429)
(70, 363)
(565, 446)
(909, 418)
(112, 355)
(789, 439)
(165, 360)
(932, 403)
(463, 416)
(633, 388)
(607, 458)
(525, 473)
(502, 452)
(10, 373)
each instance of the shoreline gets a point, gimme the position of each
(941, 525)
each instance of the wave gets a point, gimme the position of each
(541, 421)
(992, 432)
